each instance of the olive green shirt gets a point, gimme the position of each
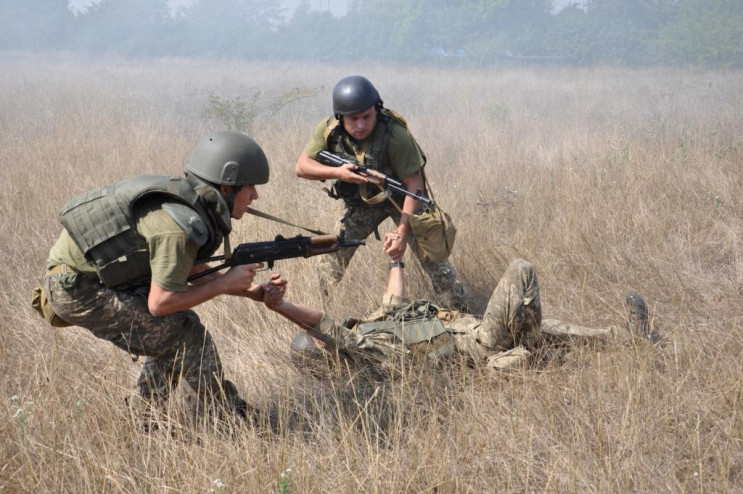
(404, 154)
(172, 253)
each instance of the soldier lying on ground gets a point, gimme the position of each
(511, 332)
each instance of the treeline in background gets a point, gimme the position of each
(706, 33)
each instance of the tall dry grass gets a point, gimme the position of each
(608, 180)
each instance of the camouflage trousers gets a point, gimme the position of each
(512, 328)
(176, 345)
(359, 223)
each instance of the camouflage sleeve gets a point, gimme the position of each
(339, 338)
(334, 335)
(317, 142)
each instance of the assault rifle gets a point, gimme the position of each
(374, 176)
(278, 248)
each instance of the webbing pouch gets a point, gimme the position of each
(40, 303)
(417, 327)
(409, 332)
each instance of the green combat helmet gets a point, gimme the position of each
(229, 158)
(354, 94)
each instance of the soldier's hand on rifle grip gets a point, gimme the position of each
(346, 173)
(240, 278)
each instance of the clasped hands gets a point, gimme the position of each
(275, 289)
(394, 245)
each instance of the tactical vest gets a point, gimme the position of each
(101, 223)
(419, 326)
(373, 154)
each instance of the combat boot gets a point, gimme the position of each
(457, 298)
(638, 317)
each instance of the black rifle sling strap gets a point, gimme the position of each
(267, 216)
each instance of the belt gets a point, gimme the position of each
(65, 268)
(61, 268)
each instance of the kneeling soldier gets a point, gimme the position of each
(121, 265)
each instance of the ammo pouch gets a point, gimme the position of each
(418, 327)
(348, 192)
(41, 305)
(434, 234)
(352, 195)
(125, 266)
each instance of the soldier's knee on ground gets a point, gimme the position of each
(143, 412)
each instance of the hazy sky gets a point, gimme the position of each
(337, 7)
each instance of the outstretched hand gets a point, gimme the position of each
(394, 245)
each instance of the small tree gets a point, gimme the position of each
(251, 111)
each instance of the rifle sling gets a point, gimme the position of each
(267, 216)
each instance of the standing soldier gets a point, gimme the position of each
(120, 268)
(362, 129)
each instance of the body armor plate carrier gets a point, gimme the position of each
(102, 224)
(374, 155)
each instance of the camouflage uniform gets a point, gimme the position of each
(359, 223)
(511, 330)
(176, 344)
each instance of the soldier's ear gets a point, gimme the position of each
(225, 190)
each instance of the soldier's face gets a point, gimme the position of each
(361, 125)
(243, 199)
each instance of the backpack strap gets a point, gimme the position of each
(332, 125)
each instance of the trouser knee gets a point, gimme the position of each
(521, 268)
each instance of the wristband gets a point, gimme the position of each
(396, 264)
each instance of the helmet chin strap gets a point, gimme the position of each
(233, 194)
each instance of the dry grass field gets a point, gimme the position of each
(608, 180)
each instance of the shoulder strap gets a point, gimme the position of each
(332, 125)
